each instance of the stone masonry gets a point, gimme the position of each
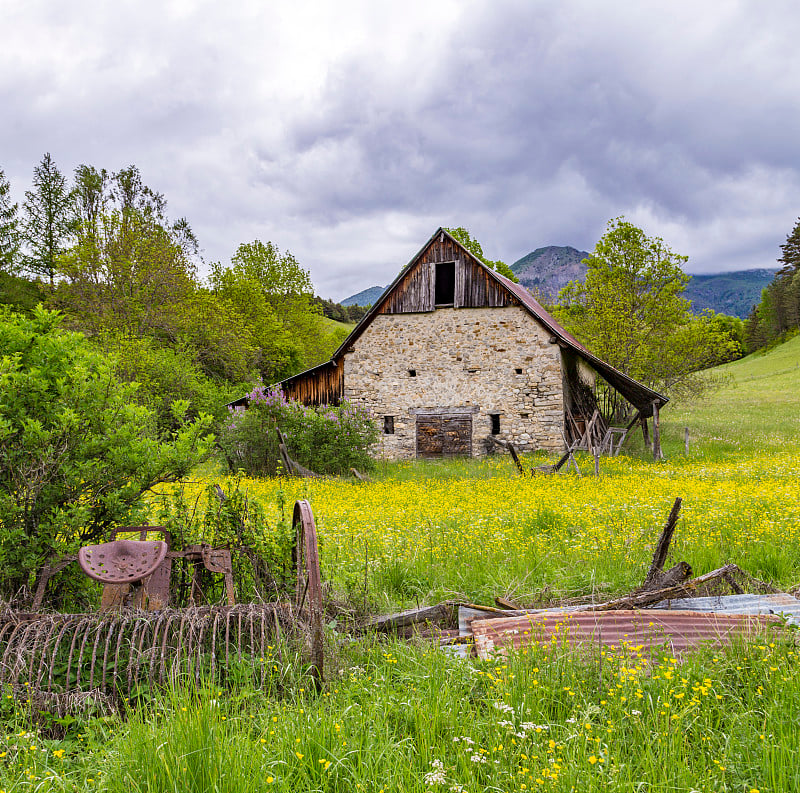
(476, 361)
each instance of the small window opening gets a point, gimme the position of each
(445, 290)
(524, 415)
(518, 371)
(495, 417)
(388, 425)
(412, 372)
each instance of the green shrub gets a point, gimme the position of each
(327, 439)
(77, 454)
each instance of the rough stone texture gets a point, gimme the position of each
(465, 362)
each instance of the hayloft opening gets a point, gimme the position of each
(445, 291)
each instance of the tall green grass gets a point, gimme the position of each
(407, 716)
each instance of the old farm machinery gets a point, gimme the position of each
(139, 639)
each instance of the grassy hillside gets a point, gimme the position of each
(333, 324)
(758, 407)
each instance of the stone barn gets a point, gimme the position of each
(454, 355)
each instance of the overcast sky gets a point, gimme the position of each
(347, 132)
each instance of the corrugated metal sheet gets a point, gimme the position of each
(781, 604)
(653, 630)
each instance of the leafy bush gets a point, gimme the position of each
(327, 439)
(232, 518)
(77, 454)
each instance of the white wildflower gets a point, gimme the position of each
(478, 758)
(435, 777)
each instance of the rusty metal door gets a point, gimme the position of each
(444, 436)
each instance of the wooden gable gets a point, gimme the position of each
(415, 289)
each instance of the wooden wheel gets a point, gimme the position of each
(308, 592)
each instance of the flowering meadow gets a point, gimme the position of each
(406, 716)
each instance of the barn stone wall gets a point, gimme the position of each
(466, 361)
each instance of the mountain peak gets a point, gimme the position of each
(548, 270)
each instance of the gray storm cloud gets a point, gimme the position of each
(348, 137)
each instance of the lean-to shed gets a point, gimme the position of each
(453, 354)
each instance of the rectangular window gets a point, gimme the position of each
(445, 291)
(412, 372)
(518, 371)
(495, 417)
(388, 425)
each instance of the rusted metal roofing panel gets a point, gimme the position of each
(783, 605)
(677, 632)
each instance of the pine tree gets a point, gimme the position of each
(9, 228)
(48, 219)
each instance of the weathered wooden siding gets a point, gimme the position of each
(414, 293)
(474, 287)
(321, 386)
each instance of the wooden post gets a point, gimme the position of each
(596, 453)
(686, 440)
(657, 454)
(645, 433)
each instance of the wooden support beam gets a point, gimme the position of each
(645, 433)
(515, 458)
(657, 453)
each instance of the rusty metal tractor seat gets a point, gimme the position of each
(122, 561)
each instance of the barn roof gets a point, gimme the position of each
(635, 392)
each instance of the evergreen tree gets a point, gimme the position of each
(9, 228)
(48, 219)
(779, 309)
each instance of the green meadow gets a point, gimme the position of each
(407, 716)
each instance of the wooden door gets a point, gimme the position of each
(444, 436)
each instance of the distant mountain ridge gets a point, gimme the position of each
(364, 298)
(729, 293)
(546, 271)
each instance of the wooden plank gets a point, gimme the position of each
(513, 452)
(662, 546)
(458, 297)
(442, 614)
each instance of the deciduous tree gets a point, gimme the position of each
(631, 312)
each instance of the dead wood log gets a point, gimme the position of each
(441, 615)
(639, 600)
(361, 477)
(655, 575)
(513, 452)
(293, 468)
(505, 603)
